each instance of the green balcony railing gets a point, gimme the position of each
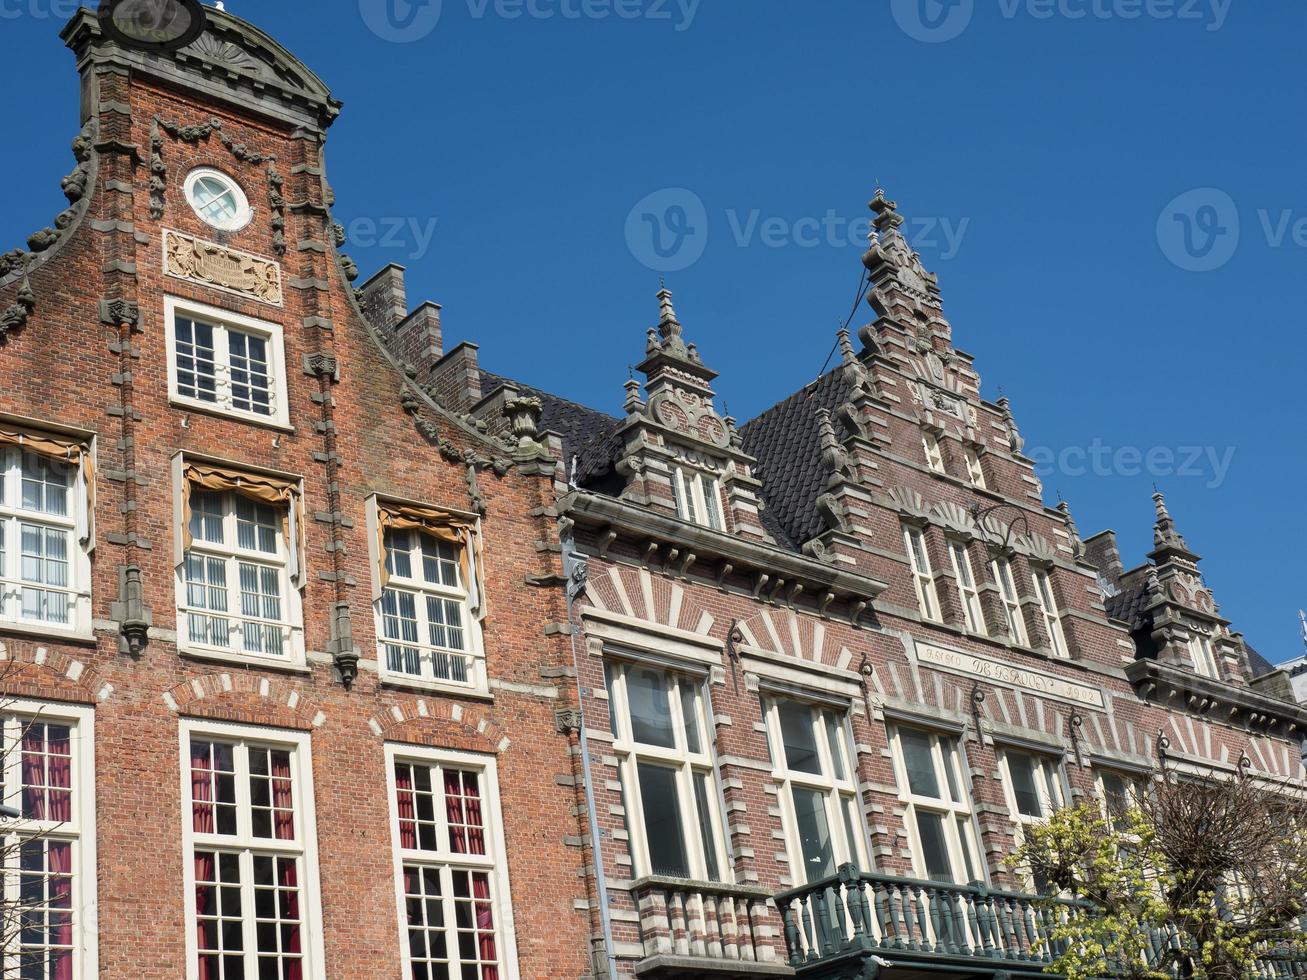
(905, 921)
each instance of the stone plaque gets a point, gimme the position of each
(211, 264)
(1010, 675)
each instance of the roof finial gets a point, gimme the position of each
(1166, 537)
(846, 348)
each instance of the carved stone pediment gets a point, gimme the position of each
(211, 264)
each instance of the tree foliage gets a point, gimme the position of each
(1200, 878)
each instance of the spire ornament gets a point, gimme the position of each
(1168, 542)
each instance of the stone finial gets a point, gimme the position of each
(834, 458)
(847, 356)
(886, 211)
(1073, 532)
(1014, 434)
(1167, 539)
(633, 404)
(524, 417)
(669, 332)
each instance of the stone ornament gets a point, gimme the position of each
(211, 264)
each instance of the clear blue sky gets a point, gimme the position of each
(1049, 141)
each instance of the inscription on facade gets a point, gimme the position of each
(212, 264)
(1034, 681)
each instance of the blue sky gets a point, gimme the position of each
(1045, 152)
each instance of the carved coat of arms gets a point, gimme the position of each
(212, 264)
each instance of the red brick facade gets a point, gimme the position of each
(755, 565)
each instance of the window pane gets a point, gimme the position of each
(196, 366)
(814, 833)
(647, 699)
(399, 545)
(798, 737)
(1021, 769)
(45, 484)
(609, 680)
(439, 562)
(703, 804)
(835, 739)
(250, 386)
(920, 763)
(399, 623)
(690, 716)
(710, 502)
(934, 846)
(206, 517)
(664, 835)
(852, 827)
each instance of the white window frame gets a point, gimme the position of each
(244, 213)
(923, 576)
(1204, 656)
(12, 518)
(698, 497)
(223, 322)
(975, 472)
(933, 452)
(292, 622)
(1050, 784)
(1043, 583)
(845, 822)
(686, 765)
(495, 862)
(973, 615)
(474, 642)
(1133, 785)
(953, 806)
(1011, 600)
(80, 832)
(298, 744)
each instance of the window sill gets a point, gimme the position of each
(53, 634)
(231, 415)
(243, 660)
(387, 679)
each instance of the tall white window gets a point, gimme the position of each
(812, 761)
(937, 807)
(1052, 618)
(664, 745)
(44, 566)
(931, 448)
(236, 595)
(923, 579)
(49, 850)
(1118, 793)
(425, 622)
(224, 362)
(1034, 785)
(968, 595)
(251, 869)
(1204, 656)
(974, 471)
(451, 881)
(698, 498)
(1007, 590)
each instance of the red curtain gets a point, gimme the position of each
(408, 828)
(205, 870)
(60, 858)
(485, 926)
(283, 812)
(290, 881)
(454, 811)
(201, 788)
(34, 794)
(59, 775)
(476, 837)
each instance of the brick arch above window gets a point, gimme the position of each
(246, 698)
(636, 593)
(422, 721)
(789, 634)
(28, 670)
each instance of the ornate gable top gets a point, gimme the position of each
(890, 260)
(1168, 542)
(232, 60)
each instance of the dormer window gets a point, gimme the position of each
(698, 498)
(974, 473)
(1204, 656)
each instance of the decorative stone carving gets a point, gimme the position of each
(16, 315)
(321, 364)
(1013, 434)
(524, 418)
(211, 264)
(116, 312)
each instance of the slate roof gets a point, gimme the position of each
(1258, 664)
(588, 434)
(1128, 604)
(785, 441)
